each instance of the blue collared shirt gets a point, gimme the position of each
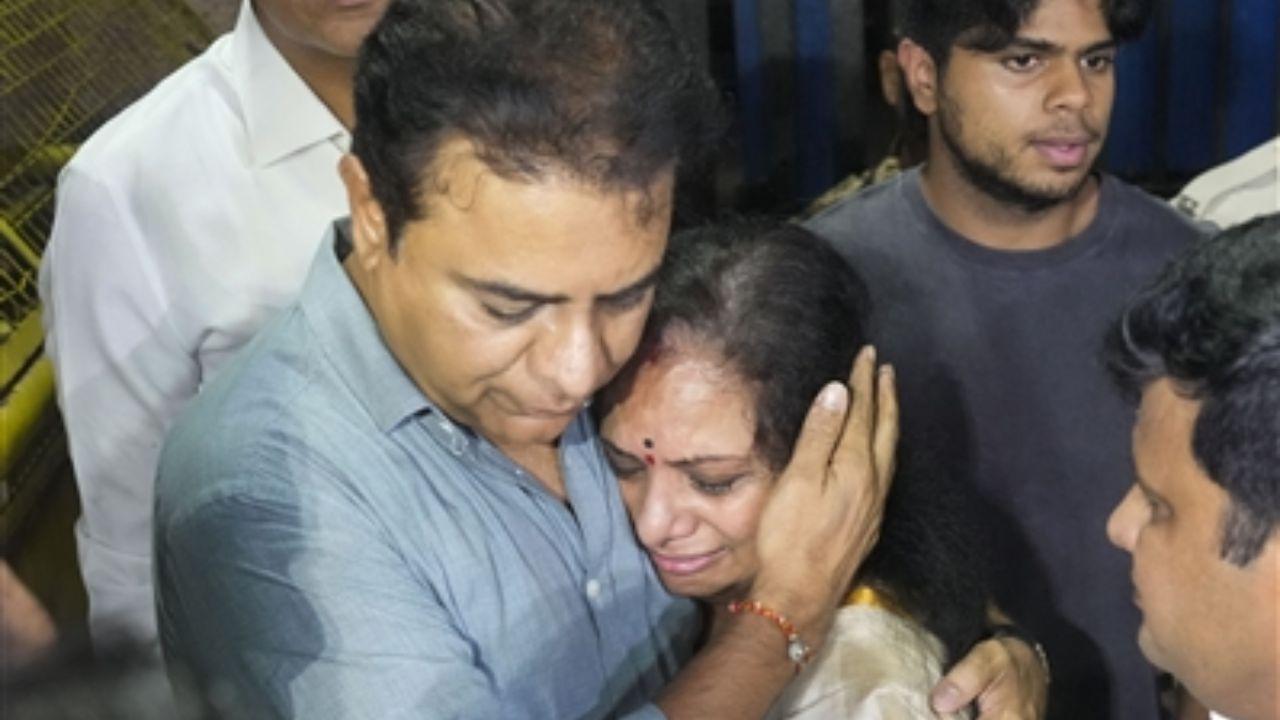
(333, 546)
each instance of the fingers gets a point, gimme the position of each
(855, 442)
(1004, 684)
(961, 686)
(884, 445)
(819, 433)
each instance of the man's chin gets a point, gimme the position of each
(1043, 192)
(531, 429)
(1148, 648)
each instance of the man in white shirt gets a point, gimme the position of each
(1202, 346)
(181, 225)
(1235, 191)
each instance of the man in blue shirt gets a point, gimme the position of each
(391, 503)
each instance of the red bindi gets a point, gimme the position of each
(648, 459)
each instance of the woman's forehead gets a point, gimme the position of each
(686, 399)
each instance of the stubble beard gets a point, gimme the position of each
(993, 176)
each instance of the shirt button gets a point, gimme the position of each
(593, 589)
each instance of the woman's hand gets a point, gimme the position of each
(824, 515)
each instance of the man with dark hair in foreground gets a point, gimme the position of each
(1201, 348)
(995, 268)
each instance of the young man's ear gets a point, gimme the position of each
(921, 75)
(368, 225)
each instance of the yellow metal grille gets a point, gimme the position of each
(66, 66)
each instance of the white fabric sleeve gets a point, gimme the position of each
(887, 702)
(122, 375)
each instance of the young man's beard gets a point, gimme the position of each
(989, 176)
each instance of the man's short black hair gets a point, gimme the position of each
(990, 25)
(1211, 323)
(603, 90)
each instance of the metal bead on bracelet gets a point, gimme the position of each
(797, 650)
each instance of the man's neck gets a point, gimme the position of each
(330, 77)
(993, 223)
(542, 462)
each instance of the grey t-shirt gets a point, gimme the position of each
(998, 359)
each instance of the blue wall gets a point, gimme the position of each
(1197, 89)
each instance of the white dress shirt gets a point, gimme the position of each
(180, 227)
(1236, 191)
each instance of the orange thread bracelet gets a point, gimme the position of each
(797, 651)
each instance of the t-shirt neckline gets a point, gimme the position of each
(1094, 235)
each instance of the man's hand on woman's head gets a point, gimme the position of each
(824, 515)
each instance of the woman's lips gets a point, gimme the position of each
(684, 564)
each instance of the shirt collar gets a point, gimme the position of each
(351, 341)
(282, 114)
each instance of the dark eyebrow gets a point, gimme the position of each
(1145, 488)
(617, 450)
(518, 294)
(682, 464)
(643, 284)
(1103, 45)
(509, 291)
(700, 459)
(1032, 45)
(1044, 46)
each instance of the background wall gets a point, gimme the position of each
(1199, 88)
(219, 15)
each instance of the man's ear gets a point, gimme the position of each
(890, 77)
(921, 75)
(369, 235)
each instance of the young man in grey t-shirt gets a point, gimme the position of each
(996, 268)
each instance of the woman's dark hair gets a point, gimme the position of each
(1211, 323)
(603, 90)
(787, 314)
(780, 307)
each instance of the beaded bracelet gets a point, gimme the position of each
(797, 651)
